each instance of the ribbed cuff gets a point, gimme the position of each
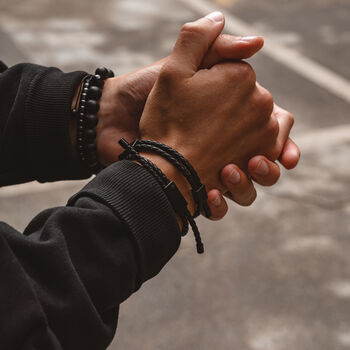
(47, 115)
(138, 200)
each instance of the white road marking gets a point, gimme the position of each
(292, 59)
(36, 187)
(331, 81)
(326, 137)
(341, 289)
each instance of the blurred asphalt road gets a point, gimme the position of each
(274, 276)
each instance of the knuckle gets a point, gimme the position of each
(169, 73)
(265, 102)
(187, 27)
(262, 106)
(272, 129)
(246, 73)
(285, 115)
(290, 118)
(191, 31)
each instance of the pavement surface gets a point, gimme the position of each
(275, 275)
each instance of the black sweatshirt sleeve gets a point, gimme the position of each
(62, 281)
(35, 105)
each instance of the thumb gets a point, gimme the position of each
(228, 47)
(194, 42)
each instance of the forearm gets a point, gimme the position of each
(34, 125)
(75, 265)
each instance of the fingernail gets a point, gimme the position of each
(234, 177)
(216, 16)
(217, 201)
(262, 168)
(247, 39)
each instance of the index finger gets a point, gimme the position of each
(229, 47)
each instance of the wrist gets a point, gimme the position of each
(116, 120)
(85, 108)
(169, 177)
(174, 175)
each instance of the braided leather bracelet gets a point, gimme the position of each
(199, 192)
(172, 192)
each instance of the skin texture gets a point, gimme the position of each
(124, 97)
(123, 102)
(189, 107)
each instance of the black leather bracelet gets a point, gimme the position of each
(175, 197)
(87, 117)
(172, 192)
(199, 192)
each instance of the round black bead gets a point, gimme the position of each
(102, 72)
(90, 135)
(110, 73)
(92, 106)
(96, 80)
(91, 120)
(94, 93)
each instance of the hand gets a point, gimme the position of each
(124, 97)
(122, 105)
(186, 98)
(263, 171)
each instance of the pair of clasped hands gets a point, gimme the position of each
(203, 101)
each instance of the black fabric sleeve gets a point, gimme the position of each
(35, 104)
(62, 281)
(2, 66)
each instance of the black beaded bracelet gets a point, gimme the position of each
(86, 111)
(172, 192)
